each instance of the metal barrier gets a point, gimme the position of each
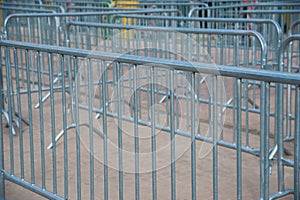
(82, 35)
(96, 153)
(269, 29)
(41, 28)
(77, 16)
(7, 10)
(193, 45)
(284, 17)
(49, 29)
(289, 61)
(234, 10)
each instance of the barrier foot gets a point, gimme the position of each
(61, 133)
(5, 113)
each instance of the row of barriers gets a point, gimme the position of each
(151, 103)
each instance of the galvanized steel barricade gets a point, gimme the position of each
(287, 118)
(41, 28)
(5, 11)
(234, 10)
(228, 47)
(95, 152)
(50, 28)
(284, 17)
(270, 29)
(28, 22)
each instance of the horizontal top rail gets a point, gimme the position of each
(206, 19)
(242, 6)
(32, 5)
(166, 4)
(81, 14)
(22, 9)
(282, 48)
(293, 27)
(222, 70)
(101, 9)
(70, 14)
(243, 12)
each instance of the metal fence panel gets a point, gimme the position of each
(49, 173)
(270, 29)
(287, 131)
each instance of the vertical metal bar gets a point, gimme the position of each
(266, 99)
(168, 93)
(153, 135)
(186, 85)
(104, 121)
(239, 137)
(177, 101)
(2, 183)
(215, 146)
(41, 115)
(39, 31)
(52, 111)
(279, 121)
(88, 39)
(193, 140)
(136, 134)
(19, 114)
(81, 41)
(297, 146)
(11, 111)
(90, 119)
(288, 95)
(222, 95)
(77, 93)
(127, 38)
(64, 118)
(29, 102)
(246, 101)
(264, 143)
(71, 86)
(120, 138)
(172, 136)
(236, 63)
(262, 131)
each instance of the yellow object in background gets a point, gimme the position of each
(124, 21)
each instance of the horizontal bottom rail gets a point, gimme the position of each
(281, 194)
(30, 186)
